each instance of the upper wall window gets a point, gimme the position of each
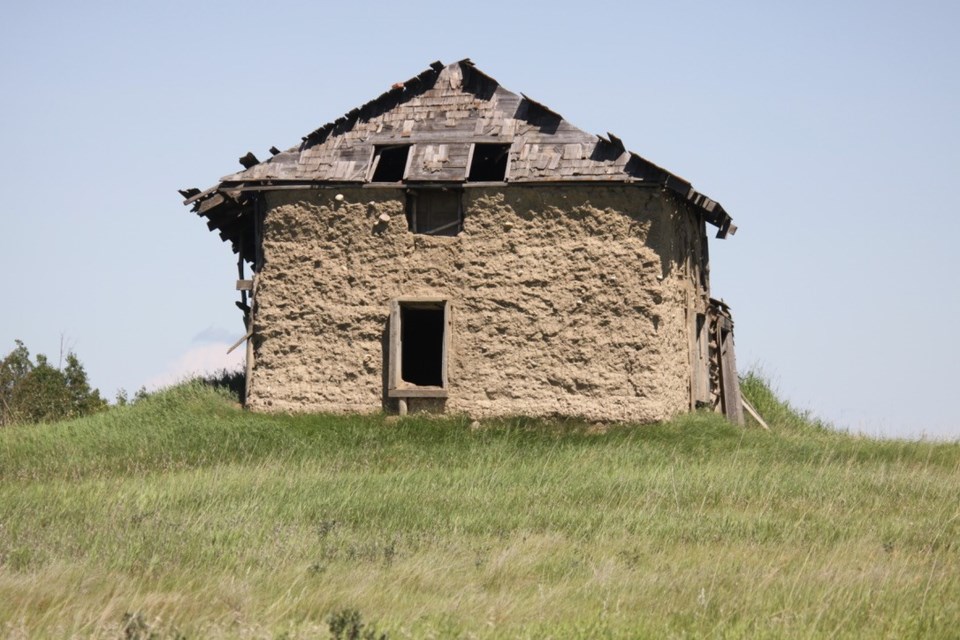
(389, 163)
(489, 163)
(435, 212)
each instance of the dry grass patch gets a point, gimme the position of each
(183, 516)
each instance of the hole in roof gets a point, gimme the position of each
(489, 163)
(390, 163)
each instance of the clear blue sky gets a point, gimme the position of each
(829, 130)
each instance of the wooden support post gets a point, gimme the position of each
(258, 214)
(692, 381)
(248, 372)
(732, 406)
(402, 404)
(243, 293)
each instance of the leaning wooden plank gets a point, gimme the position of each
(732, 407)
(753, 412)
(197, 196)
(239, 342)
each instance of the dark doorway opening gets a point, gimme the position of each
(421, 338)
(390, 163)
(489, 163)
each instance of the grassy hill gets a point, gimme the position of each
(184, 516)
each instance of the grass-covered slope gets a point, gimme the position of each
(184, 515)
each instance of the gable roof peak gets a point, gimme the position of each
(441, 114)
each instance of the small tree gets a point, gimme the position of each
(83, 399)
(38, 392)
(14, 368)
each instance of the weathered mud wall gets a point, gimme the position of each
(565, 301)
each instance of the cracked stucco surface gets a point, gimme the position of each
(573, 300)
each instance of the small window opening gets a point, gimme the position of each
(435, 212)
(421, 340)
(390, 163)
(489, 163)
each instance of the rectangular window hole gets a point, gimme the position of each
(390, 163)
(435, 212)
(422, 339)
(489, 163)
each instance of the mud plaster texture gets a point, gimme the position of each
(565, 301)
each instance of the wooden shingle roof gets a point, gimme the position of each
(441, 113)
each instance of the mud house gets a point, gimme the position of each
(453, 246)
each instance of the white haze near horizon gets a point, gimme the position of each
(828, 130)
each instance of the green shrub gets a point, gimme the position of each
(233, 381)
(347, 624)
(32, 392)
(756, 387)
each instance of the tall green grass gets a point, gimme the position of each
(190, 517)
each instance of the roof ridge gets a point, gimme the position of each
(546, 146)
